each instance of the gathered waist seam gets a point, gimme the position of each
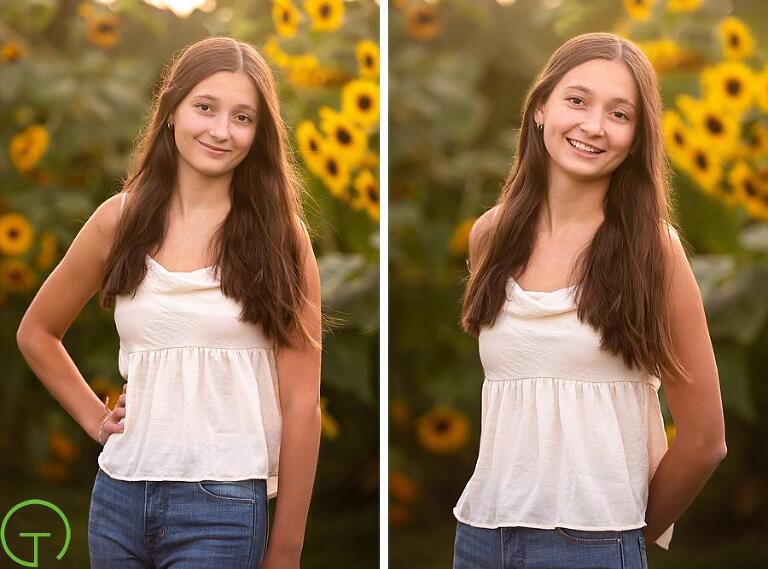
(201, 347)
(570, 379)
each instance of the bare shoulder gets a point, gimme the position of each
(479, 233)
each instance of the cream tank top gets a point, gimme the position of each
(202, 397)
(570, 436)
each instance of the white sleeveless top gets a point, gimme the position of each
(570, 435)
(202, 395)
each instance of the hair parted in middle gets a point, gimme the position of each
(622, 275)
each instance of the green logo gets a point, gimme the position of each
(34, 535)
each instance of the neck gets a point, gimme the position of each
(571, 203)
(196, 195)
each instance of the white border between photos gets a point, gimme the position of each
(383, 283)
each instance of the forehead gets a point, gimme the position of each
(233, 88)
(606, 79)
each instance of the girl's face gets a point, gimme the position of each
(214, 126)
(590, 120)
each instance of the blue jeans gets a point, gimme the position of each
(559, 548)
(177, 525)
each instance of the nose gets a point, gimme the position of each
(219, 129)
(592, 125)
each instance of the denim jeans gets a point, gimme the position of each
(559, 548)
(177, 525)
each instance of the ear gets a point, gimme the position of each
(538, 113)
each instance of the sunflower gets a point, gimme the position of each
(442, 430)
(367, 194)
(53, 472)
(664, 54)
(719, 130)
(360, 102)
(735, 38)
(326, 15)
(310, 143)
(16, 234)
(402, 488)
(328, 425)
(335, 174)
(285, 17)
(28, 147)
(16, 276)
(757, 141)
(399, 515)
(683, 5)
(272, 49)
(62, 446)
(761, 88)
(12, 51)
(47, 252)
(460, 237)
(103, 30)
(421, 21)
(729, 85)
(368, 59)
(676, 139)
(344, 137)
(704, 166)
(85, 9)
(744, 183)
(639, 10)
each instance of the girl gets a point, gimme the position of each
(584, 304)
(206, 260)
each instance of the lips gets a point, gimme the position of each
(584, 147)
(213, 147)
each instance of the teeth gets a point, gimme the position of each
(584, 147)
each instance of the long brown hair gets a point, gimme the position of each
(622, 278)
(257, 248)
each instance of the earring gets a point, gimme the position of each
(540, 125)
(170, 125)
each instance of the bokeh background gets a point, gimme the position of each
(76, 82)
(458, 75)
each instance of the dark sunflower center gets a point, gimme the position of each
(16, 276)
(368, 60)
(424, 18)
(442, 426)
(325, 11)
(679, 138)
(343, 136)
(332, 167)
(286, 17)
(106, 28)
(373, 194)
(733, 86)
(750, 188)
(701, 161)
(312, 145)
(714, 125)
(734, 40)
(13, 233)
(364, 102)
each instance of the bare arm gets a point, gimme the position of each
(299, 386)
(699, 444)
(55, 306)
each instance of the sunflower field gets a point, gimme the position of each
(77, 82)
(459, 72)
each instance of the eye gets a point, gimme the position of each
(575, 100)
(246, 117)
(201, 105)
(621, 115)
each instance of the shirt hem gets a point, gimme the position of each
(523, 523)
(183, 478)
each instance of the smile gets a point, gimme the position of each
(578, 145)
(213, 149)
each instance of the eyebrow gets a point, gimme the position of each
(216, 100)
(589, 92)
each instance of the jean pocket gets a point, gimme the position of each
(589, 537)
(237, 491)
